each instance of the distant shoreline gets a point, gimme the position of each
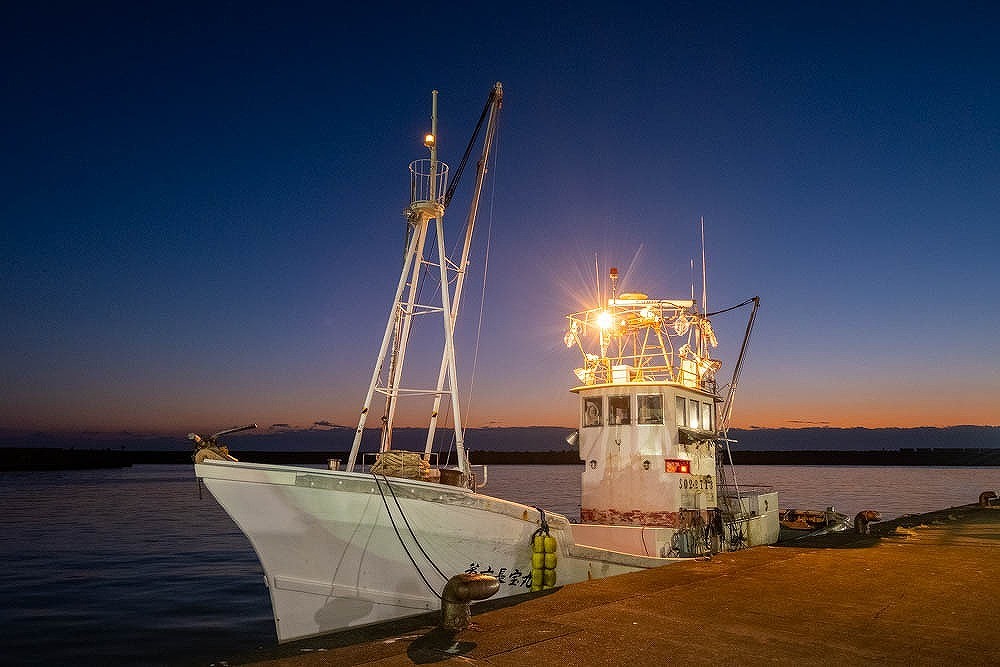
(56, 458)
(519, 438)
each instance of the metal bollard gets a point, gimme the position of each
(862, 520)
(459, 592)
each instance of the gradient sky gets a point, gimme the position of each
(201, 205)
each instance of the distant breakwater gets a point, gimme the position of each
(49, 458)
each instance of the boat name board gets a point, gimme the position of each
(509, 576)
(700, 483)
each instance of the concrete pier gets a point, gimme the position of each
(918, 590)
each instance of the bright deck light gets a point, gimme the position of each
(604, 320)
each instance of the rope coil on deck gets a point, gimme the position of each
(400, 463)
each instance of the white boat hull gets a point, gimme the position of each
(342, 549)
(346, 549)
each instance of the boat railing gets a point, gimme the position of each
(747, 500)
(634, 369)
(407, 464)
(427, 181)
(743, 490)
(637, 339)
(480, 480)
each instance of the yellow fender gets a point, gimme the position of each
(543, 559)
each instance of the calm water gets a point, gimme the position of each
(130, 567)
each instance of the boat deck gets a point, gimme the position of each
(920, 590)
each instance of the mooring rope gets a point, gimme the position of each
(410, 528)
(400, 538)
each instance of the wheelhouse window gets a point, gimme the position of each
(680, 411)
(706, 416)
(618, 410)
(592, 411)
(650, 409)
(693, 414)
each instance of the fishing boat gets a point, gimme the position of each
(380, 537)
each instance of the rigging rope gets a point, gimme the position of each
(486, 268)
(726, 310)
(468, 150)
(738, 370)
(732, 468)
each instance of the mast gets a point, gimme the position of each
(428, 178)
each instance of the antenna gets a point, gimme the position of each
(597, 281)
(704, 271)
(692, 279)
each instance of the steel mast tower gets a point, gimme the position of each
(425, 217)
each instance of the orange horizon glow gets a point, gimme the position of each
(771, 406)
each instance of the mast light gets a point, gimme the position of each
(429, 140)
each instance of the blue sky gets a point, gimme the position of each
(202, 204)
